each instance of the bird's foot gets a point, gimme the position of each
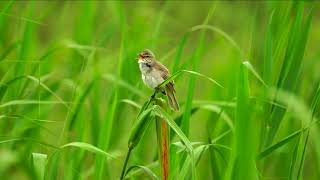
(153, 96)
(156, 90)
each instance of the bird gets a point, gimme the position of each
(153, 73)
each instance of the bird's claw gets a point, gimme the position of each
(156, 90)
(153, 96)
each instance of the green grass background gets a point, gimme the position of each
(68, 74)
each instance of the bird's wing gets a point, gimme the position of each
(161, 68)
(169, 88)
(165, 74)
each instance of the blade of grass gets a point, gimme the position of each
(106, 130)
(3, 21)
(198, 153)
(315, 103)
(294, 158)
(213, 121)
(285, 140)
(279, 144)
(156, 31)
(207, 105)
(292, 65)
(267, 76)
(89, 147)
(178, 120)
(25, 48)
(243, 156)
(179, 52)
(26, 102)
(29, 140)
(39, 164)
(9, 50)
(220, 32)
(248, 65)
(185, 170)
(131, 102)
(217, 110)
(53, 166)
(139, 128)
(171, 78)
(140, 171)
(79, 102)
(195, 61)
(4, 87)
(145, 169)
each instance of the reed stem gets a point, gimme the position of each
(125, 163)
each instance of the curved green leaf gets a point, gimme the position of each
(140, 125)
(249, 66)
(39, 164)
(175, 75)
(26, 102)
(131, 102)
(89, 147)
(145, 169)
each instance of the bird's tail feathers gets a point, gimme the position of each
(171, 97)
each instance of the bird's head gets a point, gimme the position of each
(146, 56)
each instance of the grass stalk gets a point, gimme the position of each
(138, 130)
(163, 144)
(125, 163)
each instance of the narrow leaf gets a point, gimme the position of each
(89, 147)
(39, 164)
(175, 75)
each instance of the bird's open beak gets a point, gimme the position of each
(139, 56)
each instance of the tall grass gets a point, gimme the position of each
(73, 105)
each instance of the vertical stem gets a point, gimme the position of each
(152, 98)
(125, 164)
(131, 148)
(164, 151)
(162, 136)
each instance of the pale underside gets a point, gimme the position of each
(150, 76)
(152, 80)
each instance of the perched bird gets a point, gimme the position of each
(154, 73)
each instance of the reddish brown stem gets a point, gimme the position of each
(163, 142)
(164, 151)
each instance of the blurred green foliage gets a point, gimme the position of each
(69, 74)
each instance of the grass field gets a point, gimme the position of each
(73, 105)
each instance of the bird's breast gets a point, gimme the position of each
(152, 79)
(144, 68)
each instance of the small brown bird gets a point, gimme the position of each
(154, 73)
